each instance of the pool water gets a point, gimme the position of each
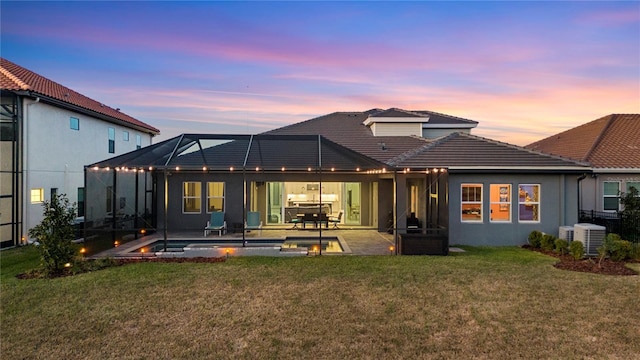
(329, 245)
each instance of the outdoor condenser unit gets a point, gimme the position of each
(590, 235)
(566, 233)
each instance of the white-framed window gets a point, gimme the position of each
(191, 197)
(635, 184)
(611, 195)
(471, 203)
(37, 195)
(74, 123)
(529, 203)
(112, 140)
(125, 136)
(500, 195)
(138, 141)
(215, 196)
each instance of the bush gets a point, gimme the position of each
(535, 237)
(548, 242)
(576, 249)
(561, 246)
(615, 248)
(54, 234)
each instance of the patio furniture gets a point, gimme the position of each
(216, 223)
(295, 219)
(253, 221)
(335, 220)
(308, 218)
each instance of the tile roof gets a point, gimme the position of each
(465, 151)
(16, 78)
(612, 141)
(457, 149)
(348, 130)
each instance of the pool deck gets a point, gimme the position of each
(354, 242)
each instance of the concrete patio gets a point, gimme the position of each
(354, 241)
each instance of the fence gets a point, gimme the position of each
(628, 227)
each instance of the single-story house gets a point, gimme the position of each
(390, 170)
(611, 146)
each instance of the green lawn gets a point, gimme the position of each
(493, 303)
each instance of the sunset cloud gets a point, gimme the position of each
(524, 70)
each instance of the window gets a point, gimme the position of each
(54, 191)
(215, 196)
(191, 197)
(635, 184)
(529, 203)
(500, 202)
(112, 140)
(80, 201)
(37, 195)
(611, 196)
(74, 123)
(471, 203)
(138, 141)
(125, 135)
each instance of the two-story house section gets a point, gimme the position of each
(48, 134)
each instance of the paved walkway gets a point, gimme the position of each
(355, 241)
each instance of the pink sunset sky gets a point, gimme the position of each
(523, 70)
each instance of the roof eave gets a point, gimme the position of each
(82, 110)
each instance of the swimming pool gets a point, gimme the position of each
(329, 245)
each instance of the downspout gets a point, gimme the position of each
(25, 165)
(580, 178)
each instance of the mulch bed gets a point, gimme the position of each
(588, 265)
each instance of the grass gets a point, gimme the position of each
(486, 303)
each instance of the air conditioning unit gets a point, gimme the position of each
(590, 235)
(566, 233)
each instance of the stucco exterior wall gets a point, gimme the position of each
(592, 188)
(55, 155)
(558, 207)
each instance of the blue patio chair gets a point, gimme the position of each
(253, 221)
(294, 219)
(216, 223)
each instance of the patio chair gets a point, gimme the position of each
(216, 223)
(253, 221)
(335, 220)
(308, 218)
(294, 219)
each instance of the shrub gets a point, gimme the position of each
(535, 237)
(576, 249)
(635, 251)
(561, 246)
(548, 242)
(54, 234)
(615, 248)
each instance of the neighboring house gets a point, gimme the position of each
(611, 146)
(382, 169)
(48, 133)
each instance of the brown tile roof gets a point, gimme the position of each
(16, 78)
(466, 151)
(612, 141)
(462, 150)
